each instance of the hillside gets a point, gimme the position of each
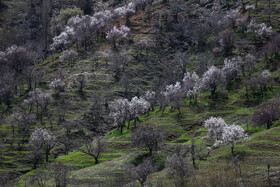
(83, 87)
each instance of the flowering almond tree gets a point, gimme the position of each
(259, 30)
(138, 107)
(116, 34)
(191, 86)
(232, 135)
(215, 127)
(150, 96)
(211, 80)
(119, 111)
(58, 86)
(224, 133)
(64, 40)
(40, 101)
(174, 95)
(232, 69)
(44, 140)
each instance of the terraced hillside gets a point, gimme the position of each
(128, 70)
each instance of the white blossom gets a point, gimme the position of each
(119, 110)
(212, 79)
(215, 126)
(57, 85)
(266, 73)
(138, 106)
(174, 95)
(250, 7)
(191, 85)
(259, 30)
(233, 134)
(116, 33)
(232, 68)
(150, 96)
(42, 139)
(64, 40)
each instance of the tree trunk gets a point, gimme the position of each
(232, 149)
(163, 109)
(45, 6)
(35, 163)
(268, 125)
(96, 160)
(128, 124)
(47, 156)
(150, 151)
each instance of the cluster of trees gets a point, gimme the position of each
(123, 110)
(85, 29)
(260, 83)
(223, 133)
(16, 68)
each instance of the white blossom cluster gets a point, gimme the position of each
(212, 79)
(225, 134)
(232, 68)
(119, 110)
(116, 33)
(37, 96)
(215, 126)
(42, 137)
(250, 7)
(64, 40)
(172, 90)
(123, 110)
(174, 95)
(233, 134)
(38, 101)
(138, 106)
(150, 96)
(259, 30)
(57, 85)
(81, 28)
(266, 73)
(191, 84)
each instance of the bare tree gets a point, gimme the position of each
(24, 122)
(148, 137)
(60, 174)
(177, 168)
(266, 114)
(95, 148)
(40, 178)
(32, 77)
(227, 42)
(141, 171)
(35, 155)
(81, 82)
(7, 89)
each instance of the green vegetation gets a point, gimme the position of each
(82, 110)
